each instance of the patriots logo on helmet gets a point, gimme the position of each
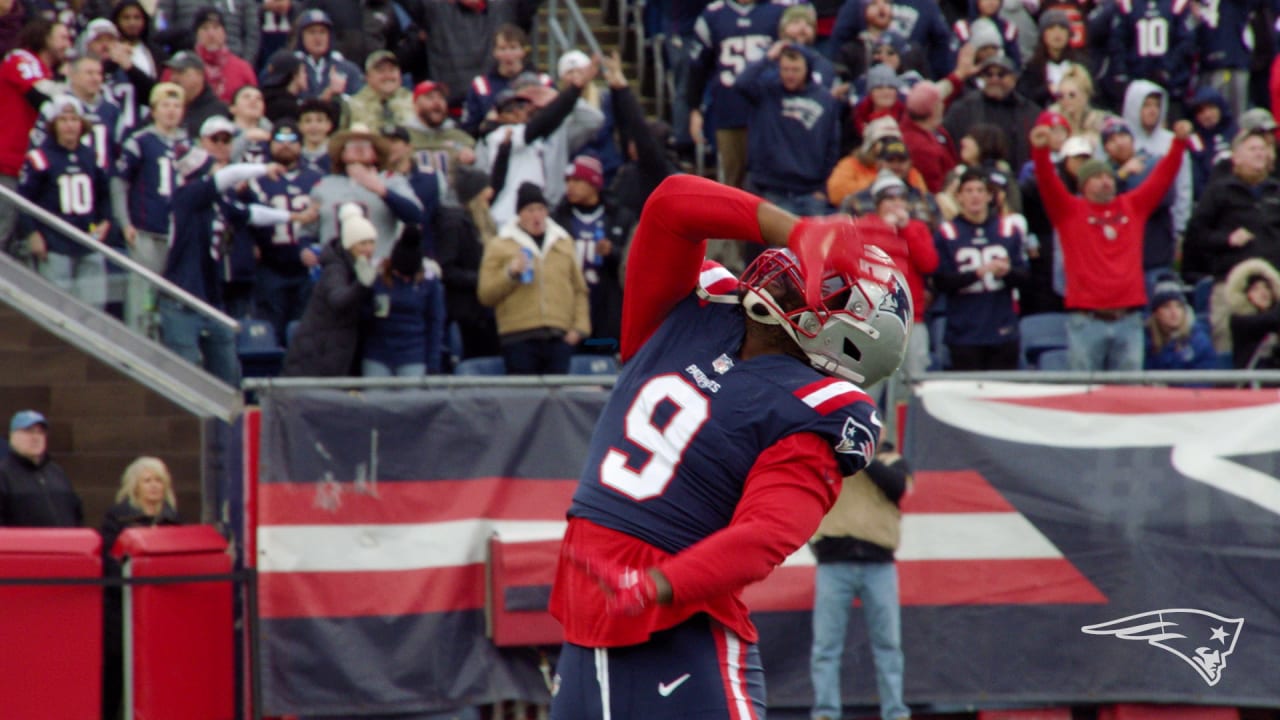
(1202, 639)
(857, 439)
(896, 302)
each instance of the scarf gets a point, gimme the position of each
(214, 63)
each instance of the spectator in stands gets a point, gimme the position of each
(141, 193)
(460, 244)
(329, 74)
(1043, 292)
(981, 263)
(601, 145)
(1256, 121)
(224, 72)
(62, 176)
(919, 21)
(406, 322)
(728, 34)
(881, 96)
(854, 547)
(361, 28)
(1252, 293)
(894, 158)
(788, 109)
(1176, 338)
(425, 183)
(114, 93)
(987, 147)
(384, 100)
(202, 208)
(282, 283)
(511, 59)
(277, 29)
(1101, 235)
(316, 120)
(284, 84)
(1215, 129)
(989, 10)
(1059, 132)
(1053, 56)
(601, 231)
(101, 113)
(1146, 111)
(932, 150)
(1075, 103)
(1236, 219)
(328, 337)
(26, 82)
(188, 73)
(12, 16)
(1154, 41)
(799, 26)
(583, 126)
(645, 142)
(145, 499)
(532, 278)
(877, 42)
(856, 171)
(134, 24)
(460, 36)
(34, 490)
(913, 253)
(252, 128)
(438, 142)
(520, 129)
(358, 157)
(998, 104)
(1223, 60)
(240, 17)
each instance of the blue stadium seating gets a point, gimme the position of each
(1200, 297)
(1040, 333)
(1055, 359)
(260, 354)
(481, 366)
(592, 365)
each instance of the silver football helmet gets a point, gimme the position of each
(859, 330)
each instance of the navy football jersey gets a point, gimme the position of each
(104, 117)
(982, 311)
(279, 245)
(146, 163)
(68, 184)
(1153, 39)
(731, 35)
(687, 419)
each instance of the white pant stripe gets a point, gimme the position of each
(602, 677)
(741, 705)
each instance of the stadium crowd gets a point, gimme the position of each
(391, 186)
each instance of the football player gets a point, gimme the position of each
(724, 442)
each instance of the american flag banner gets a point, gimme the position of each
(1037, 512)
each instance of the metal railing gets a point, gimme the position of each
(83, 239)
(561, 39)
(431, 381)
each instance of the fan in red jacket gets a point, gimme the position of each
(1101, 236)
(933, 150)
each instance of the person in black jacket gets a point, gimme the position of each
(460, 245)
(328, 338)
(601, 230)
(145, 499)
(284, 81)
(34, 490)
(646, 164)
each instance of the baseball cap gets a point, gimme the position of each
(893, 148)
(998, 60)
(887, 184)
(572, 60)
(879, 129)
(281, 67)
(1258, 119)
(185, 60)
(24, 419)
(97, 28)
(429, 86)
(1052, 119)
(216, 124)
(377, 58)
(507, 97)
(1076, 146)
(313, 17)
(1113, 127)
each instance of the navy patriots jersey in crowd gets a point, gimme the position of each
(686, 390)
(146, 163)
(69, 184)
(1152, 39)
(104, 117)
(134, 111)
(319, 162)
(280, 245)
(196, 244)
(980, 309)
(1223, 35)
(731, 35)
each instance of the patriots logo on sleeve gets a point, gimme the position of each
(858, 439)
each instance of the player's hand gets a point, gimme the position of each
(1182, 129)
(628, 590)
(825, 243)
(1040, 135)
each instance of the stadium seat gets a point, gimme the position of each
(290, 330)
(1039, 333)
(592, 365)
(260, 354)
(1055, 359)
(1135, 711)
(1058, 713)
(1200, 296)
(491, 365)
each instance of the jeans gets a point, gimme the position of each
(1094, 344)
(280, 299)
(836, 587)
(83, 277)
(802, 204)
(149, 250)
(537, 357)
(199, 340)
(373, 368)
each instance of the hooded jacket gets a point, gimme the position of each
(1156, 144)
(1209, 144)
(556, 300)
(1251, 327)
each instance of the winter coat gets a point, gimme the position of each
(1015, 113)
(933, 152)
(1226, 204)
(37, 494)
(406, 320)
(1251, 327)
(555, 300)
(328, 337)
(1189, 347)
(605, 295)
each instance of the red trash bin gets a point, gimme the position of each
(51, 635)
(177, 637)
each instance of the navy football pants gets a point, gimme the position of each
(698, 670)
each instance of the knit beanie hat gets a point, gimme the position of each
(1091, 168)
(887, 184)
(984, 33)
(923, 99)
(529, 194)
(1054, 18)
(355, 227)
(469, 182)
(1167, 289)
(881, 75)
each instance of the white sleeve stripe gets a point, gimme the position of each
(711, 276)
(823, 394)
